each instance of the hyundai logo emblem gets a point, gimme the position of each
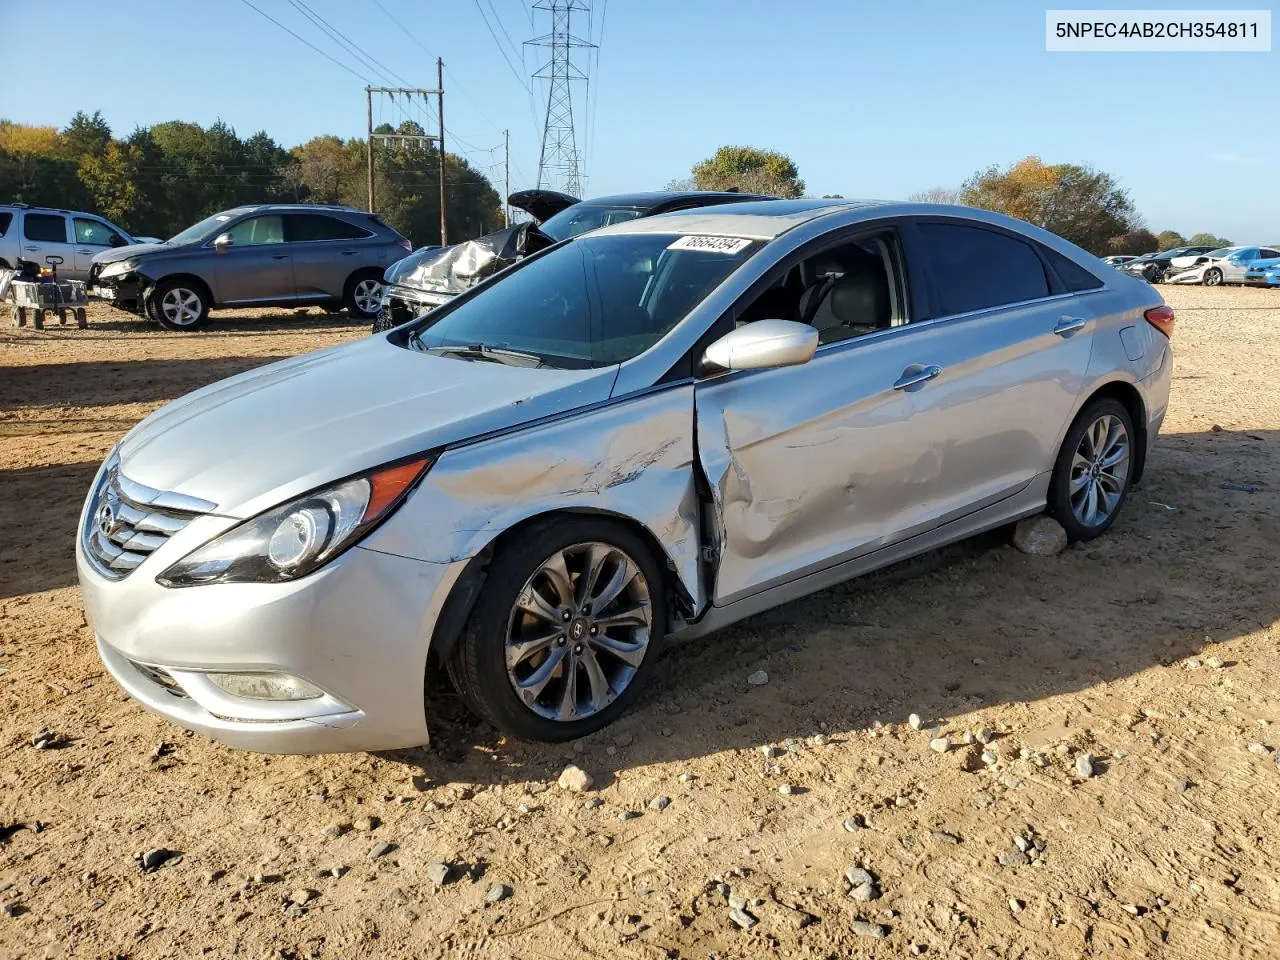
(106, 519)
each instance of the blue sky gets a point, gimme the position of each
(871, 98)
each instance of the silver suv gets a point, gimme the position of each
(35, 233)
(276, 255)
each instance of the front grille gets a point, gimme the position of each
(160, 677)
(127, 522)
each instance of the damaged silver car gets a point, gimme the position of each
(646, 432)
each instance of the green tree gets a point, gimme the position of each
(111, 180)
(1168, 239)
(1076, 202)
(750, 170)
(1134, 242)
(1208, 240)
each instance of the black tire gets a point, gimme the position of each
(171, 305)
(477, 665)
(1060, 504)
(384, 322)
(355, 295)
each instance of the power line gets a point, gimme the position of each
(502, 27)
(498, 43)
(386, 73)
(307, 42)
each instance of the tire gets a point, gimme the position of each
(479, 663)
(1076, 469)
(1212, 277)
(363, 294)
(179, 305)
(384, 322)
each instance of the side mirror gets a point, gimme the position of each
(222, 241)
(116, 240)
(762, 345)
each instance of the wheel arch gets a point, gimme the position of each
(359, 273)
(1128, 396)
(192, 279)
(466, 589)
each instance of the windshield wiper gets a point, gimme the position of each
(482, 351)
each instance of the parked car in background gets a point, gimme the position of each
(600, 447)
(257, 256)
(1118, 260)
(36, 233)
(1225, 265)
(422, 282)
(1263, 273)
(1154, 267)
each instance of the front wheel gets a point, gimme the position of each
(564, 631)
(1094, 469)
(178, 305)
(1212, 277)
(363, 296)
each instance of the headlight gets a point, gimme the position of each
(291, 540)
(118, 267)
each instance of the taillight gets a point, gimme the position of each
(404, 242)
(1161, 318)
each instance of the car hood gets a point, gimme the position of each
(1188, 261)
(1268, 264)
(268, 435)
(454, 269)
(131, 250)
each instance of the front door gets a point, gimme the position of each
(258, 265)
(92, 236)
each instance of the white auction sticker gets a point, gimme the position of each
(711, 244)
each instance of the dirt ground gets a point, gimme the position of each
(1153, 649)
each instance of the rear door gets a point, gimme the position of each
(258, 266)
(1012, 326)
(1234, 266)
(47, 235)
(326, 251)
(92, 236)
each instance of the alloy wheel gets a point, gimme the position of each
(579, 631)
(368, 296)
(181, 306)
(1212, 277)
(1099, 470)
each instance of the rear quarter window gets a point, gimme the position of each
(974, 268)
(302, 227)
(5, 220)
(1074, 277)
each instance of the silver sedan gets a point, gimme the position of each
(643, 433)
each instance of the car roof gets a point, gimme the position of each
(759, 219)
(657, 197)
(294, 208)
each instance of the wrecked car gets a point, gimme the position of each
(426, 279)
(646, 432)
(1225, 265)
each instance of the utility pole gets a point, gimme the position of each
(368, 94)
(403, 139)
(559, 164)
(444, 224)
(506, 182)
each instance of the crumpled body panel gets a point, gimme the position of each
(458, 268)
(633, 458)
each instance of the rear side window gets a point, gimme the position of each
(974, 268)
(5, 220)
(45, 227)
(1073, 276)
(300, 227)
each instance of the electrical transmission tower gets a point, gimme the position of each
(560, 163)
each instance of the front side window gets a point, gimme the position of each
(582, 217)
(304, 227)
(45, 228)
(593, 302)
(95, 233)
(257, 231)
(975, 269)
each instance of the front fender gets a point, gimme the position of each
(633, 458)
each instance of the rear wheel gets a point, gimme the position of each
(363, 295)
(1094, 469)
(179, 305)
(564, 631)
(1212, 277)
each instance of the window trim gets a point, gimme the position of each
(369, 234)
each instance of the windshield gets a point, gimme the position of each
(582, 217)
(593, 302)
(1221, 252)
(198, 231)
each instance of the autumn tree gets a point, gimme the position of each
(749, 170)
(1168, 239)
(1081, 204)
(1134, 242)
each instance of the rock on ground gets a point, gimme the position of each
(1040, 536)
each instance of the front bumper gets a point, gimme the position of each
(124, 291)
(400, 304)
(359, 629)
(1268, 279)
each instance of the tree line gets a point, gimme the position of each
(162, 178)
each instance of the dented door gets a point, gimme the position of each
(814, 464)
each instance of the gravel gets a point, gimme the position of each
(575, 779)
(496, 893)
(743, 919)
(659, 803)
(758, 679)
(438, 872)
(864, 928)
(381, 850)
(1084, 765)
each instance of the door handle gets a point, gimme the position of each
(915, 375)
(349, 253)
(33, 249)
(1069, 325)
(280, 256)
(84, 251)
